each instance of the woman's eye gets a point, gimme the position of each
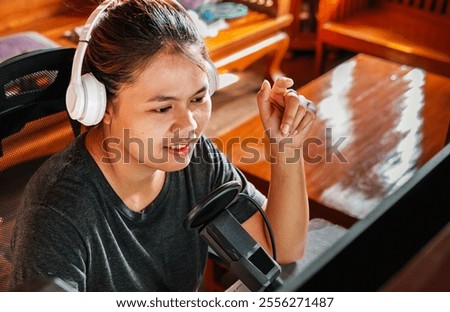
(163, 109)
(199, 100)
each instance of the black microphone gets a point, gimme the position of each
(231, 242)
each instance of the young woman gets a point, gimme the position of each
(106, 214)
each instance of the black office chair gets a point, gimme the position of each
(34, 125)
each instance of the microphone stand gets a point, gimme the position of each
(231, 242)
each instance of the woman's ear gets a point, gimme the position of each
(108, 114)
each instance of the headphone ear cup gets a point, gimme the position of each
(213, 77)
(75, 100)
(94, 100)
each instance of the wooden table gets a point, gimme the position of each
(377, 123)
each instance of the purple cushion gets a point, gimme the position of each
(23, 42)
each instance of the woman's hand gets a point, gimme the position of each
(286, 120)
(286, 116)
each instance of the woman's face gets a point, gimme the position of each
(158, 118)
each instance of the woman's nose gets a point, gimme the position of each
(184, 124)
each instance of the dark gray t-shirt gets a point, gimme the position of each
(72, 225)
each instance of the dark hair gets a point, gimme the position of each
(131, 32)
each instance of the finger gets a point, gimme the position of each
(263, 99)
(306, 121)
(309, 113)
(308, 104)
(290, 113)
(280, 87)
(301, 112)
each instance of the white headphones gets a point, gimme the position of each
(86, 96)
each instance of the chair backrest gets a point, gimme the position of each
(438, 7)
(33, 125)
(335, 10)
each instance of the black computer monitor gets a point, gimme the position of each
(378, 246)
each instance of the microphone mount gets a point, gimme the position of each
(231, 242)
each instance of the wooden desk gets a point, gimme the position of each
(384, 120)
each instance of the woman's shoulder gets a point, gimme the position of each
(68, 169)
(56, 165)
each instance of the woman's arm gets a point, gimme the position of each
(287, 122)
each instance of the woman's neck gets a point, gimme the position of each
(136, 184)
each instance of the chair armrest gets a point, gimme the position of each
(335, 10)
(273, 8)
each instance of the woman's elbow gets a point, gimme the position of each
(294, 255)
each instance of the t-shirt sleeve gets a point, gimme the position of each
(53, 255)
(225, 171)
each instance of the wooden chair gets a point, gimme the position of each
(412, 32)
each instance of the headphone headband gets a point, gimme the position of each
(85, 36)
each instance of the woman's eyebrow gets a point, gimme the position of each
(165, 98)
(202, 89)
